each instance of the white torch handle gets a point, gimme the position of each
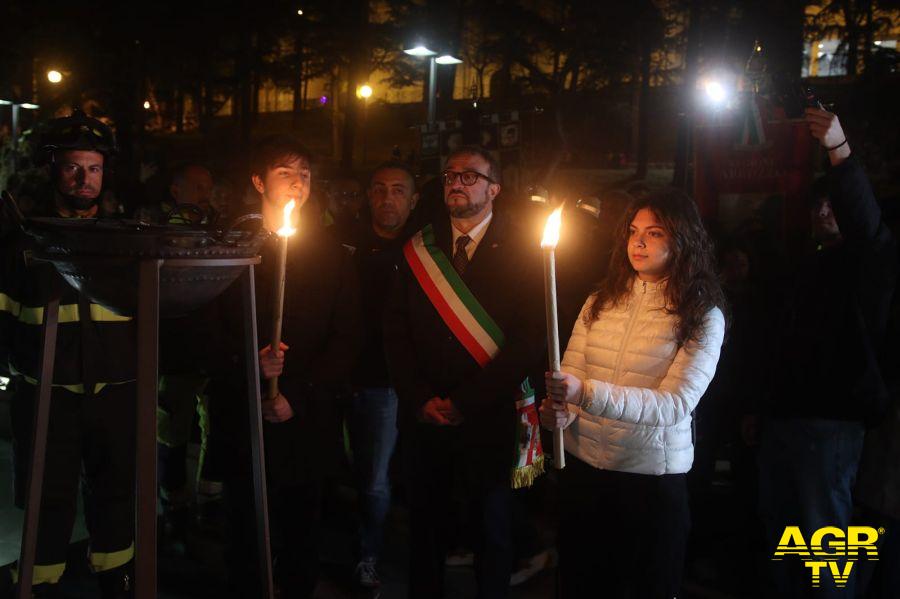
(559, 453)
(278, 308)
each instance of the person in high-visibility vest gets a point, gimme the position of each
(92, 410)
(188, 201)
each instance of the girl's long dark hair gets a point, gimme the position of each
(692, 288)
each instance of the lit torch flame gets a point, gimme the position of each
(551, 230)
(286, 229)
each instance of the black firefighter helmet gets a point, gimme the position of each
(77, 132)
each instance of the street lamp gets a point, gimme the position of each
(718, 89)
(715, 91)
(421, 51)
(54, 76)
(447, 59)
(15, 115)
(365, 92)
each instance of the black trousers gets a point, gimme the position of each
(294, 521)
(437, 466)
(621, 535)
(294, 489)
(93, 435)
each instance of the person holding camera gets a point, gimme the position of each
(825, 384)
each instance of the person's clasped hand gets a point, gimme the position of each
(271, 364)
(564, 387)
(277, 410)
(555, 415)
(441, 412)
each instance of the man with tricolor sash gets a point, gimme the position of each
(463, 328)
(93, 397)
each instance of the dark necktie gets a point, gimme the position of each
(460, 257)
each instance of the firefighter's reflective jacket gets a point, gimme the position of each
(95, 347)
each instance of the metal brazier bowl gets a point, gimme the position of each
(100, 258)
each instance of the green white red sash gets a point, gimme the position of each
(474, 328)
(450, 296)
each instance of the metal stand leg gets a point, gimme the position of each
(145, 439)
(256, 437)
(38, 450)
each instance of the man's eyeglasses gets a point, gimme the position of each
(467, 178)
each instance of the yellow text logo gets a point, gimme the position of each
(830, 551)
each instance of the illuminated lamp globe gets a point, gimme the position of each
(715, 91)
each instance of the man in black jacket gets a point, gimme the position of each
(457, 412)
(320, 334)
(825, 378)
(371, 412)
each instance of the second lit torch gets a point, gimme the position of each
(548, 245)
(284, 233)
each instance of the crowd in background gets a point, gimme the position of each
(758, 361)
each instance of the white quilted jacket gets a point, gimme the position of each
(640, 387)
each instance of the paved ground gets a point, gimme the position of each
(201, 574)
(717, 569)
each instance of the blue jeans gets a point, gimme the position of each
(372, 424)
(807, 469)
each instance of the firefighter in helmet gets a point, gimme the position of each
(92, 408)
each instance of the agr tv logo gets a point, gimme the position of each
(828, 546)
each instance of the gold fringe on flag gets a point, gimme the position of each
(525, 476)
(529, 455)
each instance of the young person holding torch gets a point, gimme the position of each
(319, 329)
(641, 355)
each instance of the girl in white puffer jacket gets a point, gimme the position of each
(640, 357)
